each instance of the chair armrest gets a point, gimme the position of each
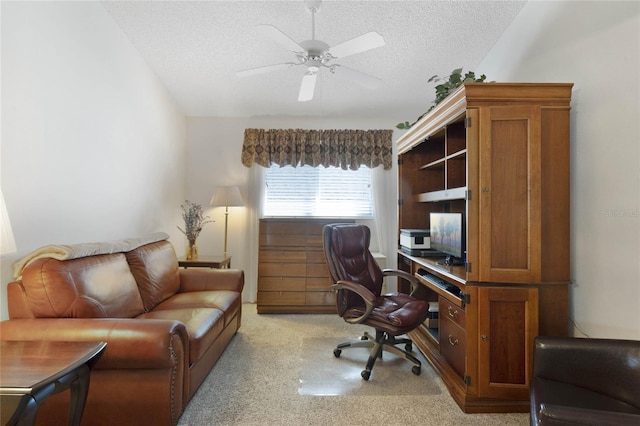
(131, 343)
(200, 279)
(413, 281)
(367, 297)
(560, 415)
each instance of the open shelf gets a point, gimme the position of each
(443, 195)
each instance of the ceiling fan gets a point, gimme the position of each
(315, 54)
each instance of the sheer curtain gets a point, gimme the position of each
(255, 194)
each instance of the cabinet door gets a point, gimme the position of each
(510, 194)
(507, 325)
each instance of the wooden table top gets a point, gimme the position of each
(206, 261)
(25, 366)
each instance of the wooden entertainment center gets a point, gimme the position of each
(499, 154)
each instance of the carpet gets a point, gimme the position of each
(263, 375)
(323, 374)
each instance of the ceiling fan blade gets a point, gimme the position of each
(280, 37)
(262, 70)
(358, 77)
(308, 86)
(368, 41)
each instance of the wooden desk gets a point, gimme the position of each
(218, 262)
(32, 371)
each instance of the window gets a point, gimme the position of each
(318, 192)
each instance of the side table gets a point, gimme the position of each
(218, 262)
(32, 371)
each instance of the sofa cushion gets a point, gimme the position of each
(99, 286)
(155, 268)
(229, 302)
(203, 326)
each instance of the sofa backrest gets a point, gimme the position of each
(155, 268)
(100, 286)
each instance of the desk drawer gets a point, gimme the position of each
(451, 312)
(452, 344)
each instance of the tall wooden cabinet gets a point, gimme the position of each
(499, 154)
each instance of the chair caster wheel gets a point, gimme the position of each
(337, 352)
(365, 374)
(408, 347)
(415, 370)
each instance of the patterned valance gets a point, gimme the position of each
(347, 149)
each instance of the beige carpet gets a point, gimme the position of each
(279, 369)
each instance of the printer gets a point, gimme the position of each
(415, 241)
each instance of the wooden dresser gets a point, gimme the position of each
(292, 272)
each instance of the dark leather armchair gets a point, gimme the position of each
(585, 381)
(358, 280)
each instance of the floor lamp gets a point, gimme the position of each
(227, 196)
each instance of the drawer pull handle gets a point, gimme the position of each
(452, 341)
(452, 312)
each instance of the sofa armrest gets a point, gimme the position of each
(131, 343)
(606, 366)
(199, 279)
(560, 415)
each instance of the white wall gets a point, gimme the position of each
(595, 45)
(93, 147)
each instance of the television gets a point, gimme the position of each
(446, 234)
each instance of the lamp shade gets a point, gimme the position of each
(227, 196)
(7, 243)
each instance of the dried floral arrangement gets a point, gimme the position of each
(194, 220)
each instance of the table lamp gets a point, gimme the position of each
(7, 243)
(227, 196)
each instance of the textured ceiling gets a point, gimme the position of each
(196, 47)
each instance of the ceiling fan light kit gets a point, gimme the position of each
(316, 54)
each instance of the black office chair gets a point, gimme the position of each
(358, 280)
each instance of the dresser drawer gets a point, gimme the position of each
(281, 298)
(282, 269)
(281, 284)
(282, 256)
(451, 312)
(319, 284)
(278, 240)
(283, 227)
(319, 270)
(316, 256)
(323, 298)
(452, 344)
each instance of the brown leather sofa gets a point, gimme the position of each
(585, 382)
(165, 328)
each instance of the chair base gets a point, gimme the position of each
(382, 342)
